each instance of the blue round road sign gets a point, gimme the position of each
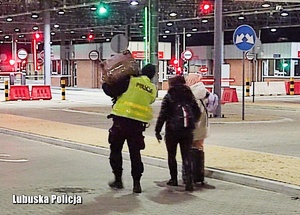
(244, 37)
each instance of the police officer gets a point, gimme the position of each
(131, 113)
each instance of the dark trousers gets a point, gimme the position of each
(132, 131)
(184, 139)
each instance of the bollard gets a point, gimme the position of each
(23, 79)
(63, 89)
(11, 78)
(6, 90)
(247, 87)
(292, 86)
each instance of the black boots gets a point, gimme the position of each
(173, 182)
(117, 183)
(137, 186)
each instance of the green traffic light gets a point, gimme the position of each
(103, 10)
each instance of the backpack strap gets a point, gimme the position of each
(205, 111)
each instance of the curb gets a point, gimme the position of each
(251, 181)
(247, 180)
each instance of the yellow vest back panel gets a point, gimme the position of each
(135, 102)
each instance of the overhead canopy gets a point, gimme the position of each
(77, 18)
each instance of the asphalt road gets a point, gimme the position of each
(271, 124)
(47, 170)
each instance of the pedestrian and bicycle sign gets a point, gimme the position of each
(244, 37)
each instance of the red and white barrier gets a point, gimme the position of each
(22, 92)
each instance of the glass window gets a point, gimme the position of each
(297, 68)
(282, 67)
(56, 69)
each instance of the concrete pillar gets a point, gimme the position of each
(14, 51)
(218, 52)
(47, 47)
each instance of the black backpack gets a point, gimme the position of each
(182, 117)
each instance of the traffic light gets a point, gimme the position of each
(23, 65)
(282, 67)
(12, 62)
(174, 62)
(90, 37)
(37, 36)
(286, 66)
(174, 66)
(103, 10)
(206, 7)
(185, 67)
(179, 71)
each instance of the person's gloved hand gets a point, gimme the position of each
(158, 136)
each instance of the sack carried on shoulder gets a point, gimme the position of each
(118, 66)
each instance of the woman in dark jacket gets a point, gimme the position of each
(178, 94)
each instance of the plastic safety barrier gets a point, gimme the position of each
(19, 92)
(261, 89)
(270, 88)
(41, 92)
(277, 88)
(229, 95)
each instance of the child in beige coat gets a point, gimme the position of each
(202, 130)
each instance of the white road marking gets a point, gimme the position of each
(256, 122)
(14, 161)
(83, 112)
(11, 160)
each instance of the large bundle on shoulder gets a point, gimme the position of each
(118, 66)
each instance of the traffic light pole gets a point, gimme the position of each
(177, 49)
(34, 56)
(183, 40)
(154, 36)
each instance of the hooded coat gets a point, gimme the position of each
(177, 93)
(202, 129)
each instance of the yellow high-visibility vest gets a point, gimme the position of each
(135, 102)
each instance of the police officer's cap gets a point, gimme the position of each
(149, 70)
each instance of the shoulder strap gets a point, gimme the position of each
(204, 106)
(205, 111)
